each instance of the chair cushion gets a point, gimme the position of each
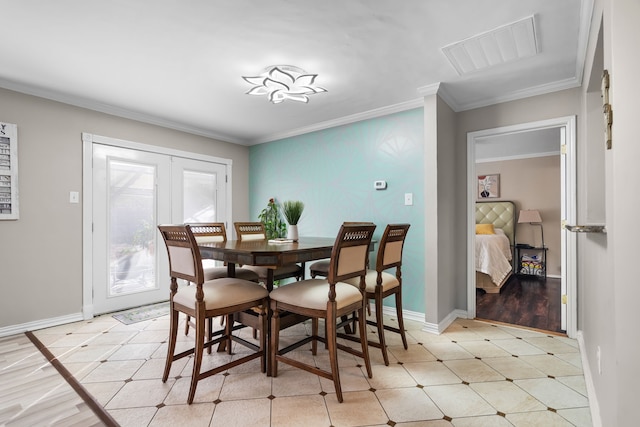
(389, 281)
(220, 293)
(289, 270)
(320, 266)
(212, 271)
(313, 294)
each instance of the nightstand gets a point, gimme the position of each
(531, 261)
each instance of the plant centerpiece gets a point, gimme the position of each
(271, 217)
(292, 210)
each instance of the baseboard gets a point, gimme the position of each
(40, 324)
(594, 408)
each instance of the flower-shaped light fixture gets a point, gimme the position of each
(282, 82)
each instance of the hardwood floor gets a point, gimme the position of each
(525, 302)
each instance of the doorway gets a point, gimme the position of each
(129, 189)
(567, 129)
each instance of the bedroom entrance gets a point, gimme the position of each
(534, 165)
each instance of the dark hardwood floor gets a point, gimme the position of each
(534, 303)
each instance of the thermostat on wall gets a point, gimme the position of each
(380, 185)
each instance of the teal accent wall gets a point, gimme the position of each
(332, 171)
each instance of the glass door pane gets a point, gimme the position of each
(132, 234)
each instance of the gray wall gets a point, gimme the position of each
(41, 253)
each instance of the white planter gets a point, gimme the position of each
(292, 233)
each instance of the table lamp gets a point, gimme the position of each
(533, 218)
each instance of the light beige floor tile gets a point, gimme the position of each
(133, 417)
(73, 340)
(208, 390)
(246, 386)
(415, 353)
(507, 397)
(514, 367)
(551, 365)
(104, 392)
(462, 334)
(483, 349)
(432, 423)
(422, 337)
(576, 382)
(359, 408)
(118, 370)
(573, 358)
(473, 370)
(535, 419)
(458, 401)
(113, 337)
(296, 411)
(351, 379)
(196, 415)
(432, 373)
(154, 369)
(551, 345)
(408, 404)
(484, 421)
(492, 333)
(241, 413)
(136, 394)
(392, 376)
(580, 417)
(521, 332)
(553, 393)
(89, 353)
(518, 347)
(81, 369)
(447, 351)
(295, 382)
(134, 352)
(149, 336)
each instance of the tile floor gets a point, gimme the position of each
(474, 374)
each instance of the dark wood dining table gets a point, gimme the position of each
(265, 254)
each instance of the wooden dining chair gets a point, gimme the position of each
(254, 231)
(321, 268)
(381, 284)
(215, 232)
(327, 299)
(207, 299)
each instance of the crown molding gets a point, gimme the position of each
(114, 111)
(371, 114)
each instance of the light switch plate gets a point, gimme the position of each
(74, 197)
(408, 199)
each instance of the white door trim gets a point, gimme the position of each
(88, 140)
(569, 271)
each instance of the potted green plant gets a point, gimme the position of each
(292, 210)
(271, 217)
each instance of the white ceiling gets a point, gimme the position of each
(179, 63)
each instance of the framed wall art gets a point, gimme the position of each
(488, 186)
(8, 171)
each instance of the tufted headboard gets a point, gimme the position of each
(500, 214)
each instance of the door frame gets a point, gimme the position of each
(88, 140)
(568, 240)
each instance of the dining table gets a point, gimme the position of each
(267, 253)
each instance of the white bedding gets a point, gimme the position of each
(493, 254)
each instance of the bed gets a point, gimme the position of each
(494, 242)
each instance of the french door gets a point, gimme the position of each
(134, 190)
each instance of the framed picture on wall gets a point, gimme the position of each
(488, 186)
(8, 171)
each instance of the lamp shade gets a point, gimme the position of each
(529, 216)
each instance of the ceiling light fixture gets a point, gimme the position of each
(282, 82)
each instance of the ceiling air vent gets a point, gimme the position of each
(504, 44)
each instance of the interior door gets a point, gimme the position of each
(131, 195)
